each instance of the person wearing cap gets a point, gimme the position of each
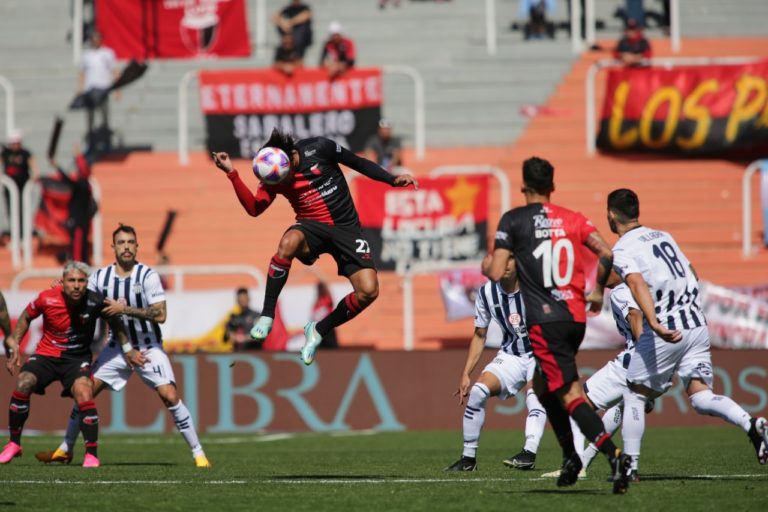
(338, 51)
(383, 148)
(19, 165)
(633, 47)
(296, 19)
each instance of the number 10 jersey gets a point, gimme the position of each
(547, 243)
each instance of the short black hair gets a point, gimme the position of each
(280, 140)
(242, 290)
(538, 175)
(124, 228)
(625, 204)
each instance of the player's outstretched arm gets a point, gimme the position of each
(5, 319)
(373, 170)
(602, 250)
(254, 204)
(132, 356)
(473, 356)
(642, 296)
(12, 343)
(495, 264)
(154, 312)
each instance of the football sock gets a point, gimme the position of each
(633, 423)
(560, 422)
(18, 412)
(89, 425)
(183, 420)
(474, 417)
(578, 439)
(347, 309)
(276, 279)
(591, 425)
(534, 423)
(706, 402)
(611, 423)
(73, 430)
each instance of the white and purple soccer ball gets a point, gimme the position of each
(271, 165)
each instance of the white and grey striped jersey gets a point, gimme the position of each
(507, 309)
(666, 270)
(139, 290)
(621, 302)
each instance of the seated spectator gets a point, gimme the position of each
(240, 323)
(18, 165)
(338, 52)
(287, 58)
(539, 13)
(383, 148)
(633, 47)
(296, 19)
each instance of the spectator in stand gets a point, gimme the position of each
(538, 12)
(98, 71)
(82, 206)
(323, 306)
(338, 52)
(633, 47)
(383, 148)
(295, 18)
(287, 57)
(18, 165)
(241, 322)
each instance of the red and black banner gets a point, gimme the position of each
(688, 110)
(174, 29)
(242, 107)
(445, 221)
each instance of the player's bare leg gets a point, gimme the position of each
(183, 420)
(293, 244)
(18, 412)
(365, 290)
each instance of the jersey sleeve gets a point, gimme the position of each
(93, 282)
(362, 165)
(624, 264)
(482, 313)
(256, 203)
(153, 288)
(586, 228)
(35, 308)
(503, 238)
(622, 300)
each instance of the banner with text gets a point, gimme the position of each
(242, 107)
(445, 221)
(687, 109)
(174, 29)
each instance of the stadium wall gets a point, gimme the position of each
(353, 390)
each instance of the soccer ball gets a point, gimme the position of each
(271, 165)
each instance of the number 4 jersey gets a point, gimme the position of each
(546, 241)
(674, 288)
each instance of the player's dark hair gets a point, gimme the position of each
(280, 140)
(538, 175)
(241, 290)
(124, 228)
(624, 204)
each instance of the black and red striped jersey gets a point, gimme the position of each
(546, 241)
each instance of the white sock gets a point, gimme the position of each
(633, 423)
(183, 421)
(73, 430)
(474, 417)
(706, 402)
(578, 439)
(535, 422)
(611, 423)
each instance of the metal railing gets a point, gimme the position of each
(10, 104)
(589, 83)
(13, 218)
(419, 115)
(746, 207)
(177, 271)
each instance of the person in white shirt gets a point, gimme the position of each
(675, 338)
(98, 71)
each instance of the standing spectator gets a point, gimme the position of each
(98, 71)
(539, 13)
(323, 307)
(287, 57)
(383, 148)
(633, 47)
(241, 322)
(82, 206)
(18, 165)
(338, 51)
(295, 18)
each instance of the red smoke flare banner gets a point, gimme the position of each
(241, 107)
(686, 110)
(174, 29)
(444, 221)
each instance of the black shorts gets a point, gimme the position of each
(555, 345)
(49, 369)
(346, 244)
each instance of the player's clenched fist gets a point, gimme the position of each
(222, 161)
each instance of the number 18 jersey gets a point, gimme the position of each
(546, 241)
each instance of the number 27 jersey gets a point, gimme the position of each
(546, 241)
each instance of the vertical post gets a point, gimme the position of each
(408, 311)
(97, 226)
(589, 18)
(77, 31)
(746, 208)
(419, 115)
(490, 26)
(591, 127)
(674, 24)
(575, 26)
(261, 27)
(183, 119)
(10, 105)
(13, 218)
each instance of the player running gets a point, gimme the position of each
(69, 315)
(675, 336)
(135, 295)
(326, 222)
(547, 241)
(508, 373)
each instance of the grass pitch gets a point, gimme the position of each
(681, 469)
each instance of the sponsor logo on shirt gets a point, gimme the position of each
(501, 235)
(310, 152)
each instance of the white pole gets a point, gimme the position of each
(419, 115)
(97, 226)
(10, 105)
(674, 24)
(575, 26)
(14, 220)
(589, 15)
(77, 31)
(407, 311)
(261, 27)
(183, 119)
(746, 208)
(490, 26)
(590, 106)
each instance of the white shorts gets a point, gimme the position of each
(115, 372)
(514, 372)
(605, 388)
(655, 361)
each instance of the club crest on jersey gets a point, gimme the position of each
(136, 288)
(515, 319)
